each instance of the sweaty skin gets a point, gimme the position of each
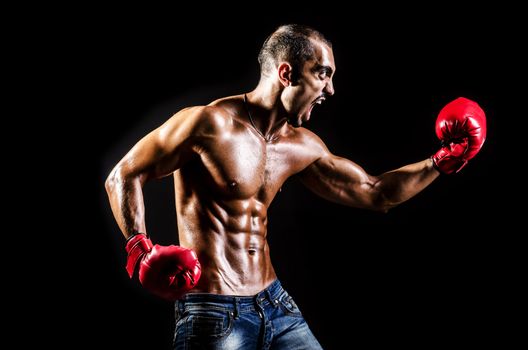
(226, 173)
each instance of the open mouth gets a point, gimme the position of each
(318, 101)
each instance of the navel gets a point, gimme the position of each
(252, 249)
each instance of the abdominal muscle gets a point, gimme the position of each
(229, 238)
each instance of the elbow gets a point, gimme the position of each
(381, 203)
(110, 182)
(382, 208)
(120, 177)
(385, 209)
(113, 180)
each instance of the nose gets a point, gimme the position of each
(329, 88)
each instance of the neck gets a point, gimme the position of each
(266, 109)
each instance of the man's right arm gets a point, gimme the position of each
(158, 154)
(166, 271)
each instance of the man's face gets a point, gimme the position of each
(313, 85)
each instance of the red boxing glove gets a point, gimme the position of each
(167, 271)
(461, 126)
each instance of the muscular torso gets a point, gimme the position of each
(223, 193)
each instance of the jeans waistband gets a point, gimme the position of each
(269, 294)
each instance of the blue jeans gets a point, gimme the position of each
(267, 320)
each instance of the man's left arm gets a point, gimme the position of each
(460, 125)
(343, 181)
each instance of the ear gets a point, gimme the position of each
(285, 73)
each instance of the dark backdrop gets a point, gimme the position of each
(432, 271)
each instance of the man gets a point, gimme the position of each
(229, 159)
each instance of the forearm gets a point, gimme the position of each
(126, 200)
(399, 185)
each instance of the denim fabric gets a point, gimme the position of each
(268, 320)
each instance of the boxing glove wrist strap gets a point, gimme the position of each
(137, 246)
(436, 166)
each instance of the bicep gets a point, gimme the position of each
(163, 150)
(340, 180)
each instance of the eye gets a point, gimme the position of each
(325, 73)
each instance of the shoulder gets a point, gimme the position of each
(201, 120)
(305, 147)
(308, 139)
(223, 113)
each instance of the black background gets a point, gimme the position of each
(438, 269)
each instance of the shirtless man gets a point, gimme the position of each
(229, 159)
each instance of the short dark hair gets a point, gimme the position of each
(290, 43)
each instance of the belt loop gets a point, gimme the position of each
(236, 311)
(273, 298)
(270, 297)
